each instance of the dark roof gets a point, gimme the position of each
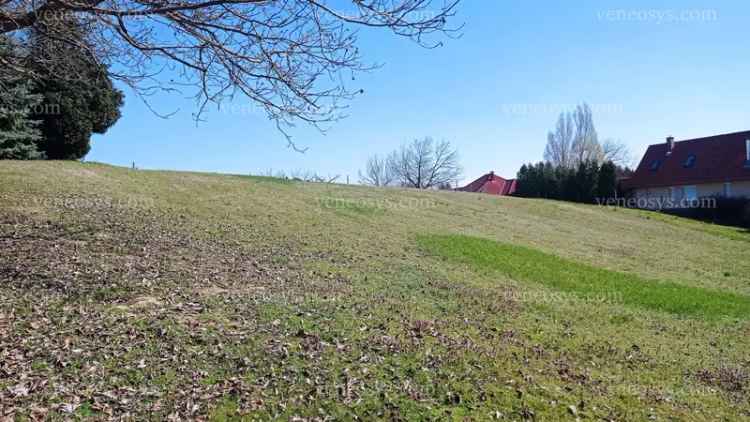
(491, 184)
(715, 159)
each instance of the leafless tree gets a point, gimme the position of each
(559, 149)
(586, 145)
(289, 56)
(575, 140)
(425, 164)
(617, 152)
(377, 172)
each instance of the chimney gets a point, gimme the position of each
(670, 144)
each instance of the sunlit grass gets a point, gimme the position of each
(729, 232)
(529, 265)
(262, 298)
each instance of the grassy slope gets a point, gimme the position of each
(158, 293)
(587, 281)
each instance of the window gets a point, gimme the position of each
(727, 190)
(747, 153)
(655, 165)
(690, 193)
(690, 162)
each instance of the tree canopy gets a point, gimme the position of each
(19, 133)
(79, 98)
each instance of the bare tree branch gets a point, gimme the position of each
(559, 143)
(585, 145)
(617, 152)
(377, 172)
(289, 56)
(574, 140)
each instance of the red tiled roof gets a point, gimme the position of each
(718, 159)
(491, 184)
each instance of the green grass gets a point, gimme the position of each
(729, 232)
(160, 294)
(597, 284)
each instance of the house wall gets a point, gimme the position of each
(713, 189)
(741, 189)
(654, 195)
(652, 198)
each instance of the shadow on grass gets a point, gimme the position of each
(529, 265)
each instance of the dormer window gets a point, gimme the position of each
(690, 162)
(655, 165)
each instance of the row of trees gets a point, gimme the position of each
(589, 181)
(63, 96)
(421, 164)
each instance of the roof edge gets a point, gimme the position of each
(703, 138)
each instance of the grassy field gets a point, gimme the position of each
(154, 295)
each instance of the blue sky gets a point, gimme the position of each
(647, 68)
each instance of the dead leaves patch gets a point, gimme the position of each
(110, 312)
